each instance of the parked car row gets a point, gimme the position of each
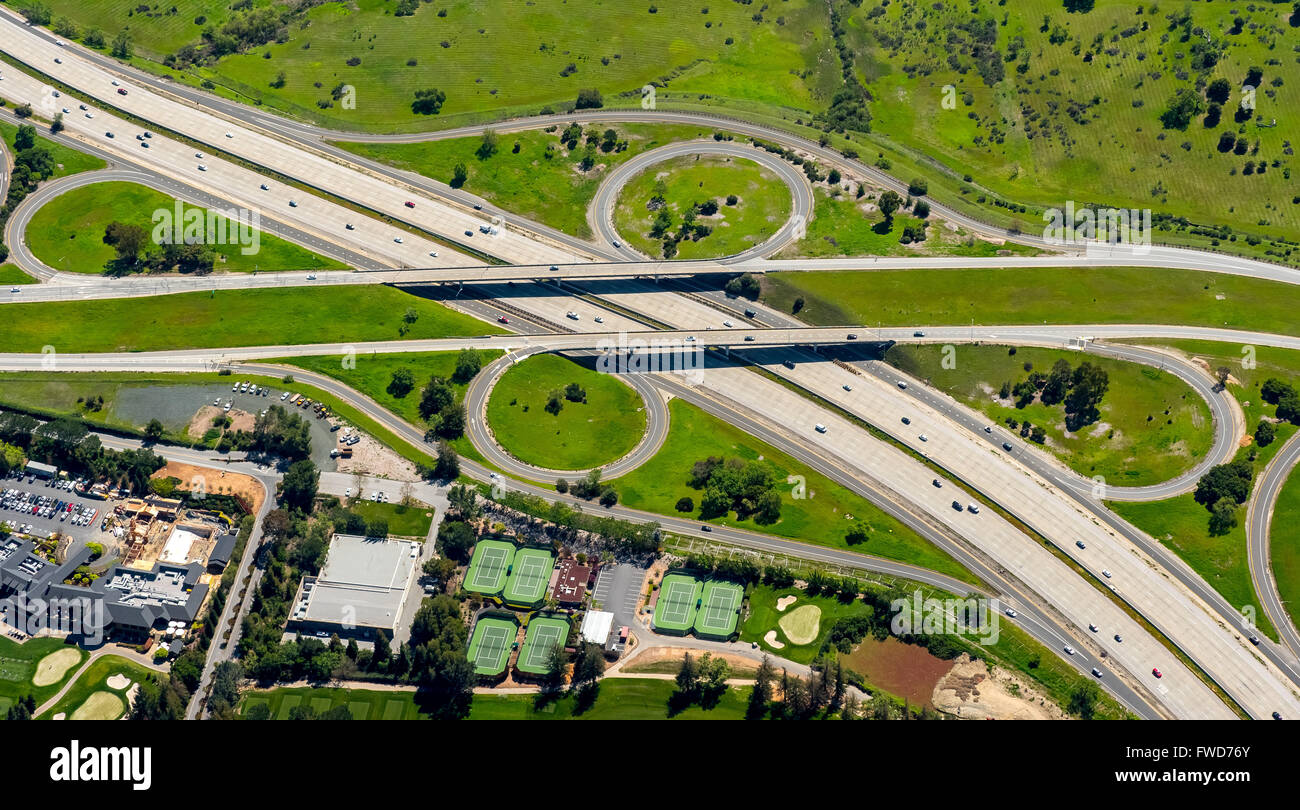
(47, 506)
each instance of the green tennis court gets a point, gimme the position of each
(675, 610)
(489, 648)
(488, 567)
(543, 634)
(719, 609)
(529, 576)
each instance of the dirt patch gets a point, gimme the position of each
(202, 420)
(739, 664)
(217, 482)
(972, 690)
(904, 670)
(372, 458)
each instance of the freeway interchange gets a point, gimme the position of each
(249, 159)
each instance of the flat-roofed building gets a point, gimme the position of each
(361, 588)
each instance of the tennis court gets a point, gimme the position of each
(489, 648)
(529, 576)
(719, 609)
(488, 567)
(675, 610)
(543, 634)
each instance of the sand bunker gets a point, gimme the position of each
(118, 682)
(785, 602)
(770, 640)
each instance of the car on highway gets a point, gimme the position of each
(1006, 445)
(957, 505)
(90, 115)
(749, 338)
(820, 428)
(1010, 612)
(902, 384)
(108, 134)
(66, 111)
(847, 387)
(728, 324)
(599, 319)
(788, 364)
(571, 315)
(1254, 640)
(121, 91)
(144, 144)
(851, 335)
(293, 204)
(1068, 649)
(918, 333)
(230, 135)
(907, 420)
(1096, 672)
(116, 83)
(202, 168)
(433, 254)
(617, 244)
(311, 277)
(397, 239)
(409, 204)
(58, 61)
(1156, 672)
(1105, 572)
(469, 233)
(503, 319)
(1277, 715)
(58, 42)
(1092, 627)
(1080, 544)
(14, 290)
(350, 226)
(82, 107)
(198, 155)
(937, 482)
(690, 338)
(1118, 637)
(264, 187)
(923, 437)
(973, 508)
(706, 528)
(988, 428)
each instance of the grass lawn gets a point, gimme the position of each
(231, 318)
(1284, 546)
(12, 274)
(493, 57)
(1123, 445)
(406, 521)
(619, 699)
(762, 207)
(92, 686)
(542, 181)
(364, 704)
(763, 616)
(67, 232)
(66, 159)
(1036, 295)
(18, 663)
(1182, 525)
(847, 226)
(823, 517)
(582, 435)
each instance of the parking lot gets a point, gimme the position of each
(41, 508)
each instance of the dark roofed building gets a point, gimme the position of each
(220, 556)
(572, 582)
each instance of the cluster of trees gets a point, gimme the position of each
(428, 101)
(749, 488)
(662, 226)
(588, 487)
(32, 164)
(136, 252)
(1222, 489)
(619, 535)
(745, 285)
(1080, 389)
(556, 398)
(440, 409)
(588, 665)
(1188, 103)
(702, 682)
(281, 432)
(1284, 396)
(67, 443)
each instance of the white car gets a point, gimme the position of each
(284, 396)
(902, 384)
(58, 61)
(202, 168)
(820, 428)
(397, 239)
(311, 276)
(571, 315)
(599, 319)
(90, 115)
(14, 290)
(58, 42)
(728, 324)
(198, 155)
(116, 83)
(1068, 650)
(923, 437)
(229, 135)
(1106, 573)
(347, 493)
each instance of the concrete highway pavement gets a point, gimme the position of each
(20, 219)
(1259, 525)
(600, 215)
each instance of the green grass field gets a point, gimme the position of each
(67, 233)
(231, 318)
(542, 181)
(1123, 445)
(822, 517)
(619, 699)
(494, 57)
(1036, 295)
(1284, 546)
(1181, 524)
(18, 664)
(67, 160)
(363, 704)
(1082, 121)
(763, 616)
(843, 226)
(12, 274)
(407, 521)
(582, 435)
(763, 205)
(94, 680)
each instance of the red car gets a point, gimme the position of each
(410, 204)
(121, 91)
(503, 319)
(1156, 672)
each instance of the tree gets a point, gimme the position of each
(888, 203)
(402, 382)
(121, 46)
(554, 402)
(464, 500)
(383, 651)
(685, 505)
(608, 498)
(688, 679)
(575, 393)
(1265, 433)
(468, 364)
(437, 396)
(1223, 516)
(761, 695)
(154, 430)
(918, 187)
(455, 539)
(377, 528)
(1185, 104)
(1218, 91)
(488, 146)
(57, 124)
(298, 489)
(428, 101)
(589, 99)
(1088, 385)
(1058, 382)
(1273, 390)
(459, 175)
(447, 467)
(1231, 480)
(37, 13)
(127, 240)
